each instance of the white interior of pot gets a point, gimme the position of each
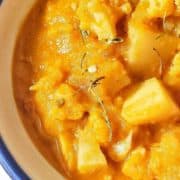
(12, 15)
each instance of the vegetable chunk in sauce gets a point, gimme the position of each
(97, 83)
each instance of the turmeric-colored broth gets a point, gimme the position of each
(97, 85)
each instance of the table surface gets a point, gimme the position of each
(3, 174)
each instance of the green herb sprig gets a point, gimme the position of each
(84, 35)
(160, 61)
(93, 84)
(115, 40)
(82, 59)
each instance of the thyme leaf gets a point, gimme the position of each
(164, 19)
(160, 61)
(84, 34)
(82, 59)
(96, 81)
(158, 36)
(60, 102)
(115, 40)
(101, 103)
(104, 111)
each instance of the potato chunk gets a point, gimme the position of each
(177, 12)
(165, 158)
(150, 103)
(67, 148)
(147, 53)
(56, 104)
(72, 108)
(90, 157)
(108, 69)
(160, 8)
(135, 165)
(172, 25)
(98, 126)
(172, 78)
(97, 17)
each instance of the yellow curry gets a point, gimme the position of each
(103, 77)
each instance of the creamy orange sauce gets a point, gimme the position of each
(97, 84)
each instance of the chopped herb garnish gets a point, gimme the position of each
(60, 102)
(101, 103)
(96, 81)
(82, 59)
(105, 114)
(84, 34)
(157, 52)
(164, 19)
(160, 61)
(159, 36)
(115, 40)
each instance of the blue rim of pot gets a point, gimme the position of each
(11, 167)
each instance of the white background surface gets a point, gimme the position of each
(3, 174)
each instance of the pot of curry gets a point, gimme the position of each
(90, 89)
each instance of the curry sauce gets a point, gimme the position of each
(97, 84)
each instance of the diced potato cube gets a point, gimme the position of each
(56, 105)
(90, 157)
(148, 51)
(48, 111)
(66, 142)
(73, 109)
(172, 78)
(97, 17)
(126, 8)
(165, 158)
(150, 103)
(177, 12)
(140, 12)
(96, 124)
(102, 174)
(172, 25)
(109, 68)
(135, 165)
(160, 8)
